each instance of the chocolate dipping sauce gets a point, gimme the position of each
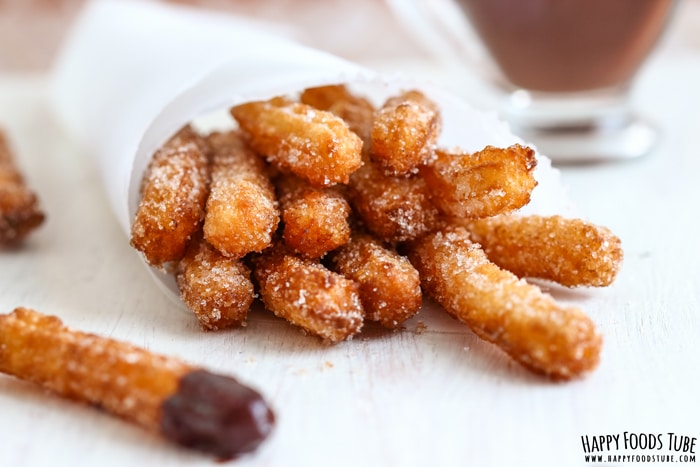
(568, 45)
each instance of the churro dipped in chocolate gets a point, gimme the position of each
(184, 403)
(19, 206)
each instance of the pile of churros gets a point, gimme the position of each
(333, 211)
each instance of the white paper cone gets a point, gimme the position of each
(133, 72)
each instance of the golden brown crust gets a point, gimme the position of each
(308, 295)
(530, 326)
(571, 252)
(488, 182)
(125, 380)
(310, 143)
(404, 133)
(173, 194)
(389, 285)
(357, 111)
(241, 211)
(217, 289)
(19, 206)
(395, 209)
(315, 219)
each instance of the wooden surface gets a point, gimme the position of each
(432, 394)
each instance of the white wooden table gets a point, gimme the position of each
(432, 394)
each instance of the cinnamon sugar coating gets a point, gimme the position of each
(389, 285)
(19, 205)
(173, 194)
(395, 209)
(546, 337)
(315, 219)
(217, 289)
(571, 252)
(488, 182)
(298, 138)
(241, 211)
(305, 293)
(404, 133)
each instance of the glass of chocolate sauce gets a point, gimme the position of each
(567, 67)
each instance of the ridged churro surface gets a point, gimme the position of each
(571, 252)
(488, 182)
(241, 211)
(307, 294)
(404, 133)
(389, 285)
(174, 191)
(124, 379)
(530, 326)
(312, 144)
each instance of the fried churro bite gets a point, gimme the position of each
(298, 138)
(315, 220)
(558, 341)
(404, 133)
(357, 111)
(241, 210)
(488, 182)
(217, 289)
(389, 285)
(307, 294)
(183, 403)
(571, 252)
(19, 205)
(395, 209)
(173, 195)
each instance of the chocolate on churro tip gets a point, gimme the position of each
(184, 403)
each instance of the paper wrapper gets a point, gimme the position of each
(132, 73)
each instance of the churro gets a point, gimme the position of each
(315, 220)
(298, 138)
(389, 285)
(307, 294)
(217, 289)
(173, 194)
(526, 323)
(404, 133)
(241, 211)
(394, 209)
(19, 205)
(184, 403)
(488, 182)
(571, 252)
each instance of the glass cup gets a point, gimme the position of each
(565, 67)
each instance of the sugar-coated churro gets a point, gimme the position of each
(173, 194)
(571, 252)
(526, 323)
(184, 403)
